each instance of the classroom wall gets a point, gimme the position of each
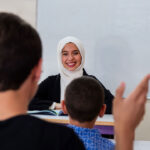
(115, 34)
(24, 8)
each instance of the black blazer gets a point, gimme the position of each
(49, 92)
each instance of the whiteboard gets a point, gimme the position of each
(115, 34)
(24, 8)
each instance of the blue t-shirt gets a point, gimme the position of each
(92, 139)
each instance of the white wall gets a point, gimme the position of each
(24, 8)
(115, 34)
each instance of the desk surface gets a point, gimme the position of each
(107, 120)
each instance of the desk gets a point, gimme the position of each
(107, 120)
(105, 124)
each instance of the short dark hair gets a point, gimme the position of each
(20, 51)
(84, 97)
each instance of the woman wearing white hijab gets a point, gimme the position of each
(71, 58)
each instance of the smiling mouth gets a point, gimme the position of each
(71, 64)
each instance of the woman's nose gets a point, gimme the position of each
(70, 57)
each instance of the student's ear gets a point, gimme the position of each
(102, 111)
(64, 107)
(37, 71)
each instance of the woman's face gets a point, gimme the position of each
(71, 57)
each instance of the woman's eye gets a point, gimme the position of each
(76, 53)
(64, 54)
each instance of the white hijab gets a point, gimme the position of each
(66, 75)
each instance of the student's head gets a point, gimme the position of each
(84, 99)
(20, 51)
(71, 53)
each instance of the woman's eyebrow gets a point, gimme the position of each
(64, 51)
(76, 50)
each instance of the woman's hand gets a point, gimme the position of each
(58, 106)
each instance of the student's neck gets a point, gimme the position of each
(89, 125)
(12, 103)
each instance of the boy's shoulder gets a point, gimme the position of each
(92, 138)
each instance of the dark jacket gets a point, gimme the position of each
(24, 132)
(49, 92)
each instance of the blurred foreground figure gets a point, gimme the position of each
(20, 69)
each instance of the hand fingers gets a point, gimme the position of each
(120, 91)
(142, 88)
